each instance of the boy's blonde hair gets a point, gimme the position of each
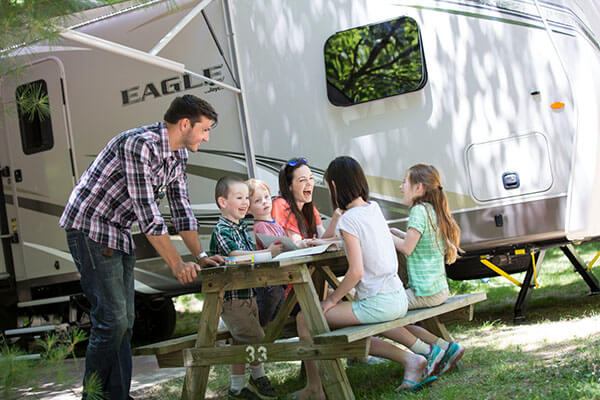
(253, 184)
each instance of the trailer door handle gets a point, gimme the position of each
(18, 175)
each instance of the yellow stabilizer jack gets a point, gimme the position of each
(500, 272)
(593, 261)
(534, 271)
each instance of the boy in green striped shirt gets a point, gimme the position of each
(240, 312)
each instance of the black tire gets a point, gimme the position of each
(154, 319)
(8, 318)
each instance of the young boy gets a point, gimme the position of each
(240, 312)
(269, 298)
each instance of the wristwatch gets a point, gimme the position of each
(201, 255)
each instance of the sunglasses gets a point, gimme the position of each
(293, 163)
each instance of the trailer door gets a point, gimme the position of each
(40, 165)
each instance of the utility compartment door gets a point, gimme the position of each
(509, 167)
(40, 164)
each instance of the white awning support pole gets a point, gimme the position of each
(207, 79)
(139, 55)
(180, 25)
(117, 48)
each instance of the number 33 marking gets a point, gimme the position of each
(262, 354)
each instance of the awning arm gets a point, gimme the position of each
(180, 25)
(116, 48)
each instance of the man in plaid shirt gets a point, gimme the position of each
(124, 184)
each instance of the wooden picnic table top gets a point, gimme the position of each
(325, 258)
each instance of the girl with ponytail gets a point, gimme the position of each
(431, 241)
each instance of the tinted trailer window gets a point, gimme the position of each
(374, 61)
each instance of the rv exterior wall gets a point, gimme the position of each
(482, 67)
(483, 64)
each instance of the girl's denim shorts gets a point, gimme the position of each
(381, 307)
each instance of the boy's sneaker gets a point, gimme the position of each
(454, 352)
(244, 394)
(262, 387)
(434, 358)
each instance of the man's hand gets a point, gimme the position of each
(275, 248)
(211, 261)
(185, 272)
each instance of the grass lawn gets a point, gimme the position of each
(554, 355)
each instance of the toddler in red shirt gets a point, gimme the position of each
(270, 298)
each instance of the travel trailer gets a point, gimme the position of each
(501, 96)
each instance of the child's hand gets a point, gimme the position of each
(275, 248)
(327, 305)
(312, 242)
(398, 232)
(302, 244)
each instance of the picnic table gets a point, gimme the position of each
(309, 277)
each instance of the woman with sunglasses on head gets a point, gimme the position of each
(294, 210)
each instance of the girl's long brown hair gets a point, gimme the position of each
(307, 222)
(429, 177)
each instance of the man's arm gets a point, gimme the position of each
(192, 241)
(184, 272)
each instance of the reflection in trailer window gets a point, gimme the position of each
(374, 61)
(34, 117)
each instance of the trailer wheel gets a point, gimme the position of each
(8, 318)
(154, 319)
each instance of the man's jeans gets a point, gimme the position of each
(108, 283)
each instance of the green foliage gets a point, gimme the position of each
(33, 101)
(375, 61)
(92, 388)
(13, 371)
(54, 349)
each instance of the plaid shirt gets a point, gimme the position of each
(227, 237)
(122, 186)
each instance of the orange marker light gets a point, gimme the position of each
(557, 105)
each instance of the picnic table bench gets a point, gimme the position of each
(309, 277)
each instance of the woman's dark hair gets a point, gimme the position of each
(307, 222)
(191, 107)
(350, 182)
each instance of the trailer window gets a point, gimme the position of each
(34, 117)
(374, 61)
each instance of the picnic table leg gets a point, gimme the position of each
(274, 328)
(436, 327)
(333, 375)
(196, 378)
(319, 282)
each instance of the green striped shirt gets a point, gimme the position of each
(426, 271)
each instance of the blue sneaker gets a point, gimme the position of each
(451, 357)
(434, 358)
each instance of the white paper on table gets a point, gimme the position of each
(309, 251)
